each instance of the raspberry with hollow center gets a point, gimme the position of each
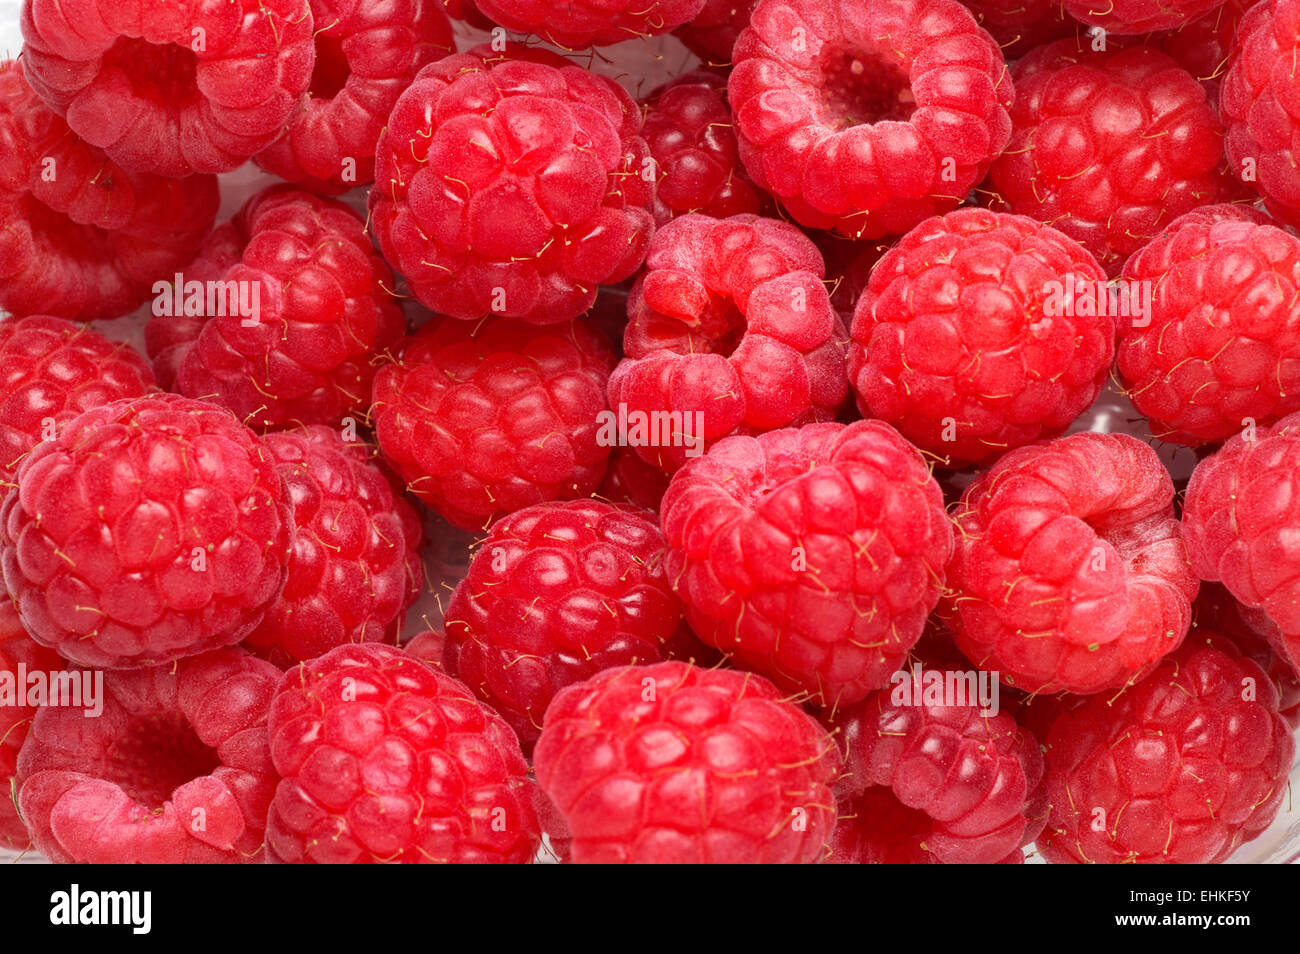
(512, 185)
(812, 555)
(150, 529)
(385, 760)
(314, 310)
(671, 763)
(965, 341)
(175, 769)
(175, 89)
(1070, 571)
(84, 238)
(868, 118)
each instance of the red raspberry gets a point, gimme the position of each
(323, 308)
(712, 34)
(632, 480)
(16, 648)
(1221, 345)
(83, 238)
(965, 341)
(731, 328)
(1110, 146)
(1203, 45)
(355, 566)
(848, 268)
(175, 769)
(812, 554)
(1182, 768)
(367, 53)
(1257, 100)
(868, 118)
(1240, 517)
(1070, 571)
(511, 187)
(953, 781)
(555, 594)
(1021, 25)
(575, 24)
(692, 140)
(385, 760)
(1255, 636)
(675, 764)
(1137, 16)
(482, 420)
(150, 529)
(50, 371)
(171, 89)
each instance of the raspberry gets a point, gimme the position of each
(50, 371)
(16, 649)
(689, 130)
(938, 782)
(512, 187)
(82, 237)
(868, 118)
(1257, 100)
(1256, 637)
(731, 328)
(483, 420)
(175, 769)
(965, 341)
(675, 764)
(575, 24)
(176, 89)
(712, 34)
(1240, 516)
(632, 480)
(1137, 16)
(323, 308)
(812, 554)
(355, 566)
(1203, 45)
(385, 760)
(556, 593)
(1110, 146)
(151, 529)
(1221, 345)
(1070, 571)
(1021, 25)
(367, 52)
(848, 269)
(1180, 769)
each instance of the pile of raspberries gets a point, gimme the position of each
(880, 443)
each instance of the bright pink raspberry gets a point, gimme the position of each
(731, 328)
(671, 763)
(812, 555)
(484, 419)
(1220, 347)
(1070, 571)
(711, 34)
(367, 53)
(172, 89)
(50, 371)
(355, 566)
(16, 648)
(1258, 103)
(575, 24)
(315, 308)
(1021, 25)
(1137, 16)
(1109, 147)
(385, 760)
(174, 770)
(868, 118)
(692, 141)
(966, 341)
(1182, 768)
(150, 529)
(556, 593)
(512, 185)
(84, 238)
(954, 781)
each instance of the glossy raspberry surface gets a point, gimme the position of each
(675, 764)
(1138, 16)
(174, 770)
(812, 555)
(384, 760)
(712, 33)
(151, 529)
